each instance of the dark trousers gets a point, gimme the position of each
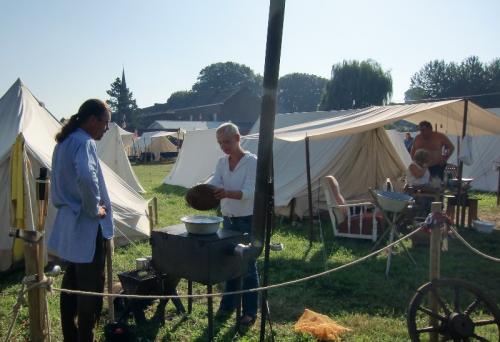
(250, 279)
(79, 313)
(437, 171)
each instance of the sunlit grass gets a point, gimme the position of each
(359, 297)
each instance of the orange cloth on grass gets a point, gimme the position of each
(320, 326)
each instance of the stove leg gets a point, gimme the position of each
(238, 302)
(210, 314)
(190, 300)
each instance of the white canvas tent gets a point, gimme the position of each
(448, 115)
(21, 112)
(155, 142)
(358, 161)
(127, 139)
(184, 126)
(197, 159)
(111, 151)
(486, 153)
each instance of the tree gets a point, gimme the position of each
(122, 104)
(220, 76)
(438, 79)
(180, 99)
(357, 84)
(300, 92)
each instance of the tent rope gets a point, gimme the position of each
(257, 289)
(475, 250)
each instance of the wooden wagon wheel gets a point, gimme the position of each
(464, 313)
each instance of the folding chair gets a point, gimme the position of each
(350, 219)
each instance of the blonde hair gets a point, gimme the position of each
(421, 156)
(228, 128)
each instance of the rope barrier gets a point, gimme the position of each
(475, 250)
(257, 289)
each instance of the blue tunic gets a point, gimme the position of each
(77, 188)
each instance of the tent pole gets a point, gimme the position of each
(309, 192)
(460, 171)
(267, 118)
(265, 174)
(264, 311)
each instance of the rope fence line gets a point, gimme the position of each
(29, 284)
(257, 289)
(475, 250)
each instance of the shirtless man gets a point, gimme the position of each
(439, 146)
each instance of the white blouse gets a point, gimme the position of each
(412, 180)
(242, 178)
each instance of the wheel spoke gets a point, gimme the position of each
(440, 301)
(485, 322)
(456, 299)
(472, 306)
(480, 338)
(428, 329)
(432, 314)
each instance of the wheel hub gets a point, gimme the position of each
(460, 325)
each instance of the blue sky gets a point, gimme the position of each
(68, 51)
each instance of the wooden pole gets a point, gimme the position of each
(434, 267)
(309, 193)
(34, 255)
(150, 217)
(155, 210)
(267, 116)
(109, 275)
(498, 188)
(459, 219)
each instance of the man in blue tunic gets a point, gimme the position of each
(84, 220)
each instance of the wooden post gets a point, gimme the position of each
(434, 266)
(498, 188)
(309, 193)
(109, 275)
(150, 217)
(460, 201)
(155, 210)
(34, 256)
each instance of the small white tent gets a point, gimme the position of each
(183, 126)
(197, 159)
(155, 142)
(21, 112)
(112, 152)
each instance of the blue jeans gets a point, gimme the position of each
(242, 224)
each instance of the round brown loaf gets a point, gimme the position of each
(201, 197)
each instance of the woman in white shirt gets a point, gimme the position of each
(234, 179)
(418, 172)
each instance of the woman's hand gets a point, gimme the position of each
(220, 193)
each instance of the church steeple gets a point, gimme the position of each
(124, 83)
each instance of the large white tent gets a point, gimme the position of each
(197, 159)
(21, 112)
(352, 159)
(358, 161)
(111, 151)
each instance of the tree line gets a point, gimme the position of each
(353, 84)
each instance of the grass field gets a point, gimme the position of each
(359, 297)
